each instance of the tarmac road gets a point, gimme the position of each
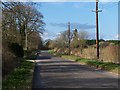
(55, 72)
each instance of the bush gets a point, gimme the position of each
(27, 52)
(91, 42)
(116, 42)
(17, 49)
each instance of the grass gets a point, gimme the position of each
(99, 64)
(54, 53)
(20, 78)
(30, 54)
(51, 51)
(71, 57)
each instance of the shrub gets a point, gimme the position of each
(17, 49)
(9, 60)
(27, 52)
(116, 42)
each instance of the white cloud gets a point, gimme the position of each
(58, 33)
(117, 37)
(45, 33)
(73, 25)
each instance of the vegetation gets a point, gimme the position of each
(20, 78)
(83, 47)
(16, 49)
(21, 20)
(99, 64)
(113, 67)
(116, 42)
(83, 50)
(21, 25)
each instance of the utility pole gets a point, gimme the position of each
(69, 37)
(97, 29)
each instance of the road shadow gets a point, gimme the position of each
(43, 57)
(59, 74)
(36, 82)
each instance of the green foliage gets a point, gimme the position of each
(91, 42)
(51, 52)
(55, 53)
(27, 52)
(102, 65)
(116, 42)
(75, 42)
(19, 78)
(79, 39)
(30, 54)
(17, 49)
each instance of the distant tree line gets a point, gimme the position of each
(79, 39)
(116, 42)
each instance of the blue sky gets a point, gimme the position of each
(57, 15)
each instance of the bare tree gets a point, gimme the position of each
(75, 40)
(83, 36)
(21, 18)
(63, 39)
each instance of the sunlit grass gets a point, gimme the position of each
(20, 78)
(71, 57)
(99, 64)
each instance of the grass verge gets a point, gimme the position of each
(54, 53)
(20, 78)
(98, 64)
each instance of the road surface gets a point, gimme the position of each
(55, 72)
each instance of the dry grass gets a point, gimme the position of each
(110, 54)
(89, 53)
(107, 54)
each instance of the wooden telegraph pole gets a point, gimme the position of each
(69, 37)
(97, 29)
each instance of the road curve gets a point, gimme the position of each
(55, 72)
